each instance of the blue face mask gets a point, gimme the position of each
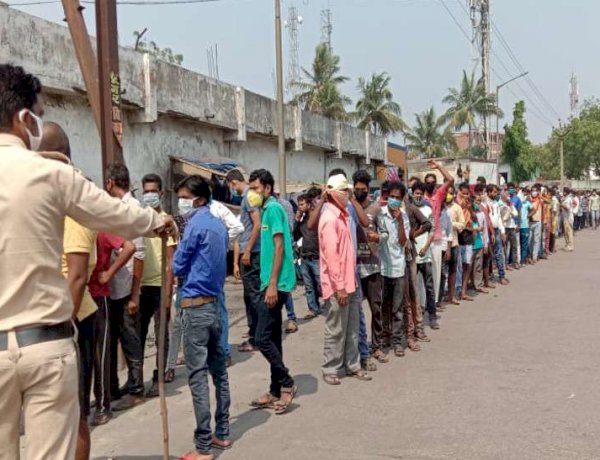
(394, 203)
(151, 199)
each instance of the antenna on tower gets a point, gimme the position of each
(574, 94)
(326, 26)
(292, 22)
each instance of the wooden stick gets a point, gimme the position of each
(164, 301)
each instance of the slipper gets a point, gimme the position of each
(221, 443)
(310, 316)
(281, 407)
(331, 379)
(268, 404)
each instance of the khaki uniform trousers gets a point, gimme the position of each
(42, 380)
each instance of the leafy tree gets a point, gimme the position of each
(376, 110)
(468, 103)
(516, 149)
(164, 54)
(321, 93)
(429, 138)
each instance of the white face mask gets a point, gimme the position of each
(185, 205)
(34, 141)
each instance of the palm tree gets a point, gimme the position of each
(376, 109)
(429, 138)
(321, 93)
(468, 103)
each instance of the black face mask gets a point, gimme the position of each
(430, 187)
(361, 195)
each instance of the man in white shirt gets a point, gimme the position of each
(567, 207)
(494, 204)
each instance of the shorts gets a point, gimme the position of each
(453, 259)
(466, 254)
(86, 346)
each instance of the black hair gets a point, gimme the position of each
(18, 90)
(361, 176)
(313, 193)
(479, 188)
(196, 184)
(397, 185)
(336, 171)
(464, 186)
(419, 186)
(428, 175)
(264, 177)
(303, 197)
(234, 174)
(490, 188)
(511, 185)
(414, 178)
(119, 174)
(385, 187)
(152, 178)
(481, 180)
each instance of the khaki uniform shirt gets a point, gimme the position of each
(35, 197)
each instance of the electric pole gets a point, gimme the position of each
(111, 117)
(561, 133)
(280, 107)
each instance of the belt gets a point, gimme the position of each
(197, 301)
(38, 334)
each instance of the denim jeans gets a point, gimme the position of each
(289, 308)
(251, 279)
(203, 354)
(176, 333)
(363, 339)
(268, 341)
(459, 272)
(312, 281)
(594, 219)
(127, 329)
(393, 305)
(372, 288)
(224, 315)
(535, 235)
(524, 245)
(150, 308)
(499, 254)
(513, 241)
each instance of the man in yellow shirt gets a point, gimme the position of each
(152, 276)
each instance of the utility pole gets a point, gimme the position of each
(111, 118)
(485, 64)
(561, 133)
(294, 19)
(280, 108)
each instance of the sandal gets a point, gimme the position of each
(368, 365)
(311, 315)
(399, 351)
(361, 375)
(414, 346)
(266, 401)
(281, 407)
(381, 356)
(331, 379)
(421, 337)
(246, 347)
(221, 444)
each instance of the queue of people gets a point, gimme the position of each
(407, 253)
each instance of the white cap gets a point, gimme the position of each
(338, 183)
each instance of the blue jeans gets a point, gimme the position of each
(289, 308)
(363, 340)
(312, 281)
(224, 324)
(524, 245)
(203, 354)
(535, 238)
(499, 254)
(459, 273)
(176, 333)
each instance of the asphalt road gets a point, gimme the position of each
(512, 375)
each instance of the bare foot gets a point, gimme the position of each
(195, 455)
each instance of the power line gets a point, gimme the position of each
(120, 2)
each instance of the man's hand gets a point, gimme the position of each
(299, 215)
(271, 296)
(433, 164)
(246, 258)
(236, 271)
(169, 229)
(132, 307)
(342, 297)
(504, 237)
(448, 256)
(486, 251)
(373, 237)
(103, 277)
(422, 252)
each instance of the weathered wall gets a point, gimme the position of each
(169, 110)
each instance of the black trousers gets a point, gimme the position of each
(426, 271)
(393, 305)
(127, 329)
(252, 297)
(150, 308)
(268, 339)
(372, 288)
(86, 343)
(102, 356)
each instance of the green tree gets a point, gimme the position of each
(469, 103)
(321, 93)
(428, 138)
(150, 47)
(376, 109)
(516, 149)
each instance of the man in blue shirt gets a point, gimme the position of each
(515, 237)
(201, 259)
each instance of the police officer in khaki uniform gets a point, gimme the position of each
(38, 364)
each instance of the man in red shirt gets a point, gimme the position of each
(436, 198)
(100, 292)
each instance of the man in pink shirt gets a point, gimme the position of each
(338, 283)
(436, 199)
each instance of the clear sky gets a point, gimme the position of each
(416, 41)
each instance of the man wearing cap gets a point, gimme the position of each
(338, 283)
(38, 363)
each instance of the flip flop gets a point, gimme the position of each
(282, 407)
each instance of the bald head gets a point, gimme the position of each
(55, 139)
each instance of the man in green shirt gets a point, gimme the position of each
(277, 281)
